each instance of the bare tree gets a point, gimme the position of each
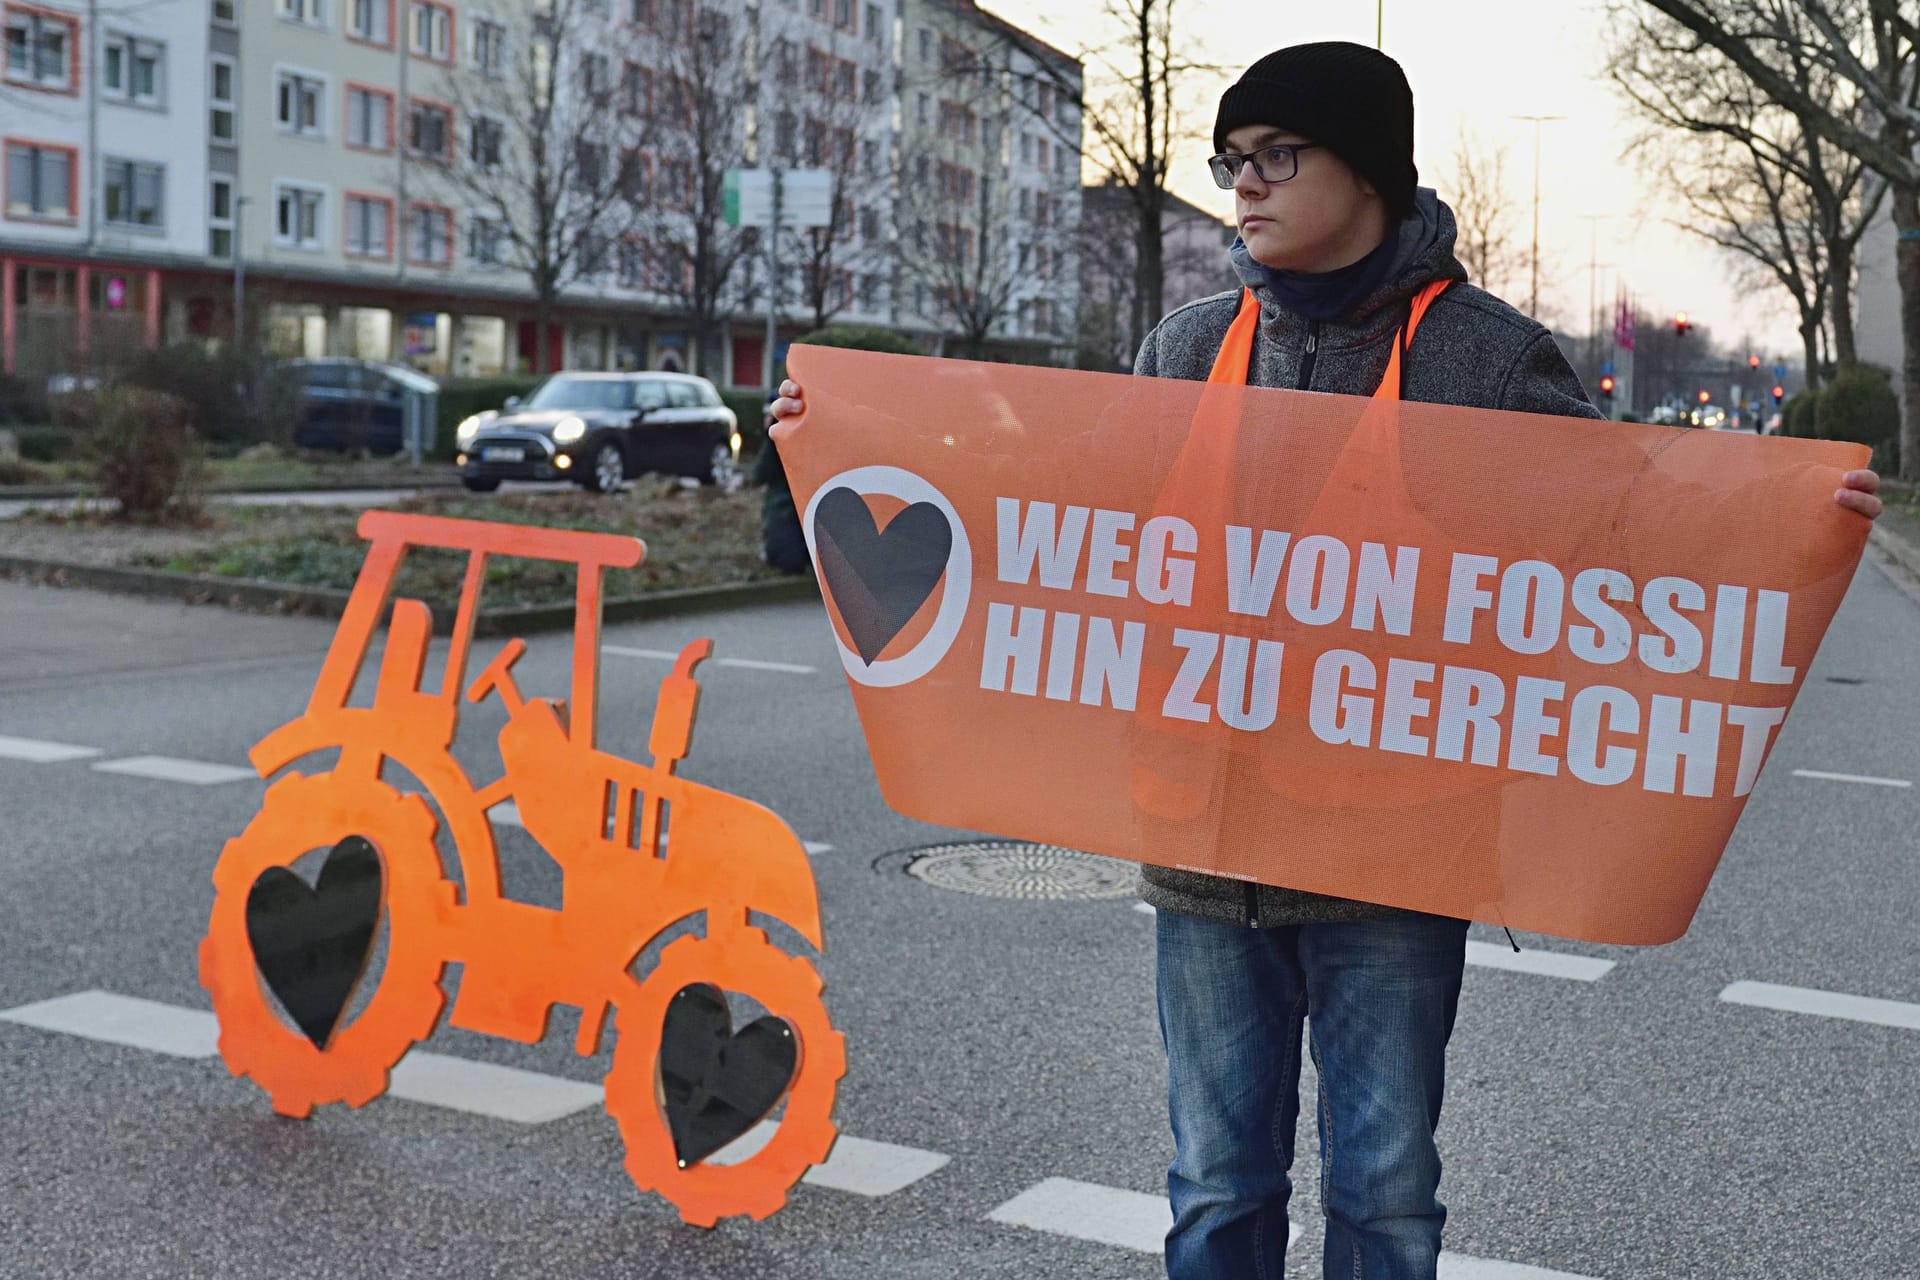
(698, 91)
(1874, 47)
(1787, 204)
(841, 101)
(1488, 246)
(541, 167)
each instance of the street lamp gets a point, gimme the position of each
(1534, 306)
(240, 204)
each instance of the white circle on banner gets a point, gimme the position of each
(956, 585)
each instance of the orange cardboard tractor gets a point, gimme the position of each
(682, 1083)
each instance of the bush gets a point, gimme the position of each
(232, 400)
(863, 337)
(142, 449)
(22, 400)
(461, 398)
(1860, 405)
(1797, 414)
(750, 407)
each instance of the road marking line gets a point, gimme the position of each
(167, 769)
(814, 846)
(39, 752)
(858, 1165)
(1552, 964)
(487, 1089)
(125, 1020)
(1145, 908)
(1455, 1266)
(1825, 1004)
(1851, 777)
(507, 814)
(1087, 1211)
(747, 664)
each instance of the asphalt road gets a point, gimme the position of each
(1635, 1125)
(11, 507)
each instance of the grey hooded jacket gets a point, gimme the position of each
(1471, 349)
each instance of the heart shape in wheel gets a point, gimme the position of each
(879, 578)
(311, 943)
(718, 1083)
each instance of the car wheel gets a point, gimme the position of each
(479, 486)
(609, 469)
(722, 468)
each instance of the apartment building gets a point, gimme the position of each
(105, 191)
(323, 174)
(989, 180)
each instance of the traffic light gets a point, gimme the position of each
(1753, 362)
(1705, 396)
(1779, 394)
(1606, 388)
(1681, 324)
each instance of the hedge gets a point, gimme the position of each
(1796, 415)
(461, 398)
(1860, 405)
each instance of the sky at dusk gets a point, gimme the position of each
(1480, 63)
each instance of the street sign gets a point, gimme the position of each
(806, 197)
(1606, 366)
(1779, 372)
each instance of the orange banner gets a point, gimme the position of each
(1500, 666)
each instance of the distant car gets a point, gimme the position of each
(348, 404)
(597, 429)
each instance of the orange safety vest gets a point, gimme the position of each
(1236, 351)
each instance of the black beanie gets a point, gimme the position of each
(1347, 97)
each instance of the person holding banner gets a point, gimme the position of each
(1348, 284)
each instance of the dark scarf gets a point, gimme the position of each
(1325, 295)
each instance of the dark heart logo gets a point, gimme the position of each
(719, 1082)
(311, 945)
(879, 579)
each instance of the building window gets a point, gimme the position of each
(489, 47)
(222, 98)
(430, 130)
(589, 164)
(636, 90)
(298, 214)
(226, 13)
(43, 50)
(370, 21)
(40, 180)
(593, 74)
(843, 14)
(430, 32)
(925, 44)
(369, 226)
(133, 193)
(631, 263)
(430, 234)
(486, 242)
(486, 140)
(300, 103)
(311, 12)
(369, 118)
(923, 111)
(131, 69)
(220, 217)
(873, 23)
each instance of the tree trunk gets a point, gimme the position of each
(1810, 340)
(1905, 198)
(1153, 282)
(542, 322)
(1840, 306)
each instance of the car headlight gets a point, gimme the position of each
(567, 430)
(468, 426)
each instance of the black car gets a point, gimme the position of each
(597, 429)
(347, 404)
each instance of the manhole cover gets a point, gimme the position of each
(1013, 869)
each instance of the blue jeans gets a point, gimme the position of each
(1382, 996)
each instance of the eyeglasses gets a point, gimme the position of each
(1275, 163)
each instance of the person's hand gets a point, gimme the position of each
(792, 405)
(1855, 494)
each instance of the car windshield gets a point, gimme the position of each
(582, 393)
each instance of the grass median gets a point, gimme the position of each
(694, 537)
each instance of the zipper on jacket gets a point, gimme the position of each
(1306, 359)
(1253, 904)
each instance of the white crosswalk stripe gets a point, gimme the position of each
(1852, 777)
(125, 1020)
(858, 1165)
(197, 773)
(37, 751)
(487, 1089)
(744, 664)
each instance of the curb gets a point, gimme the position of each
(324, 602)
(62, 492)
